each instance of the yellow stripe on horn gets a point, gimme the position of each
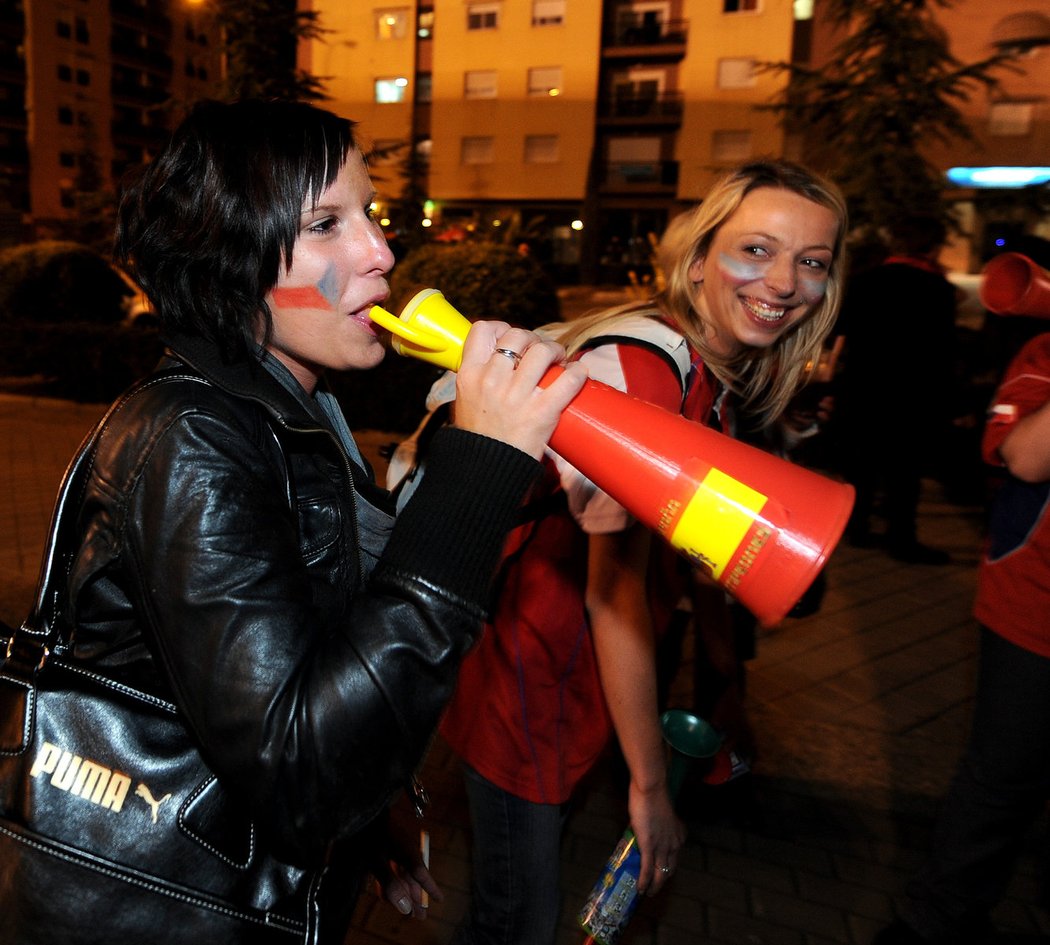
(716, 519)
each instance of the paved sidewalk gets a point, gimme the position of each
(860, 710)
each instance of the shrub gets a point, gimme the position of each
(482, 280)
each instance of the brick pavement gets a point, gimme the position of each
(860, 710)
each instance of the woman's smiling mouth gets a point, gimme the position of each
(765, 311)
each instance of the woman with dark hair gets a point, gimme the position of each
(235, 558)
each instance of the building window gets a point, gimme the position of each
(391, 24)
(479, 84)
(67, 159)
(65, 115)
(736, 73)
(483, 16)
(65, 74)
(1010, 119)
(729, 146)
(548, 12)
(83, 77)
(67, 198)
(477, 150)
(82, 31)
(425, 24)
(541, 149)
(391, 90)
(424, 88)
(63, 29)
(740, 6)
(544, 81)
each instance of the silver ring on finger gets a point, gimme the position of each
(664, 869)
(508, 353)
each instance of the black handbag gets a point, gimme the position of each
(112, 827)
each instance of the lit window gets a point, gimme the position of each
(483, 16)
(391, 90)
(548, 12)
(425, 24)
(541, 149)
(740, 6)
(477, 150)
(728, 146)
(391, 24)
(479, 84)
(736, 73)
(1010, 119)
(545, 81)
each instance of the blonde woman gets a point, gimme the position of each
(753, 281)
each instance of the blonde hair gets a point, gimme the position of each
(764, 378)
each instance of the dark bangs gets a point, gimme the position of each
(208, 225)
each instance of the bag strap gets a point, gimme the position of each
(654, 336)
(29, 645)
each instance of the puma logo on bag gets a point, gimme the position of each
(144, 792)
(89, 780)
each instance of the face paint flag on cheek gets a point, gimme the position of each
(303, 297)
(323, 295)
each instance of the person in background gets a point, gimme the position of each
(236, 557)
(1003, 780)
(897, 386)
(753, 280)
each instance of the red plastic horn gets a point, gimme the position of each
(1014, 285)
(762, 527)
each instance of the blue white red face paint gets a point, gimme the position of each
(323, 294)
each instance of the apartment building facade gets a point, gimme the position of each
(88, 89)
(581, 125)
(560, 119)
(610, 116)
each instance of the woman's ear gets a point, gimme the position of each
(696, 270)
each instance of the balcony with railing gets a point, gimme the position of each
(645, 34)
(634, 177)
(150, 57)
(634, 108)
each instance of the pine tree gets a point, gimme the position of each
(891, 85)
(260, 38)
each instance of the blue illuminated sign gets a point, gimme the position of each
(998, 176)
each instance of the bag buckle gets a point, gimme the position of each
(25, 656)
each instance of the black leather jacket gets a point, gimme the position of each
(219, 567)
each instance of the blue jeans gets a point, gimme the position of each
(999, 790)
(515, 895)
